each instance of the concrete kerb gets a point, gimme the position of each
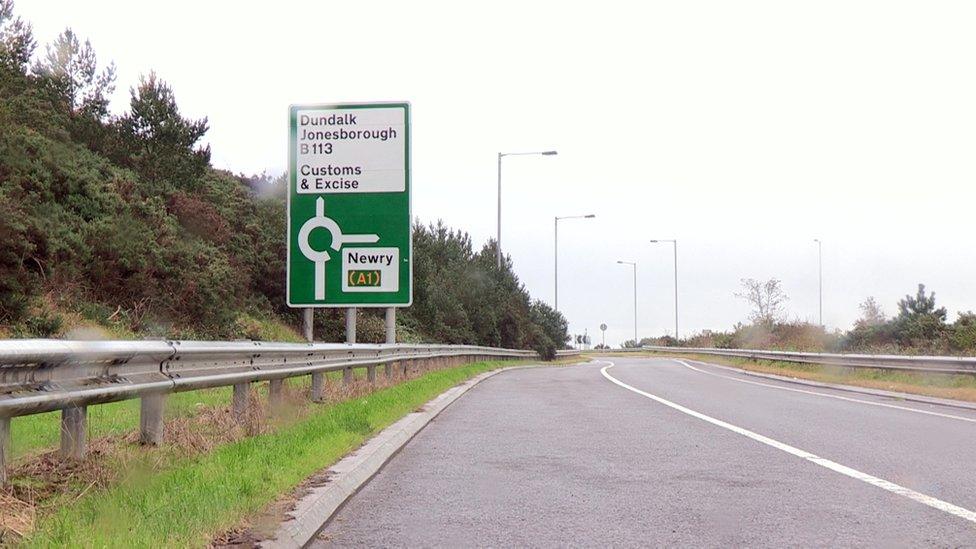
(313, 511)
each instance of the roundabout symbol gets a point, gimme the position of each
(320, 257)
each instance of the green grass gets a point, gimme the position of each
(190, 500)
(39, 432)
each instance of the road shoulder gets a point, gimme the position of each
(838, 387)
(318, 503)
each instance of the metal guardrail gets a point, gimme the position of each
(933, 364)
(45, 375)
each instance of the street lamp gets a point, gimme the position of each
(556, 252)
(498, 242)
(634, 265)
(820, 275)
(675, 243)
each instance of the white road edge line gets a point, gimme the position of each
(932, 502)
(838, 397)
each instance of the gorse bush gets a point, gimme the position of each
(121, 222)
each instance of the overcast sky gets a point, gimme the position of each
(743, 129)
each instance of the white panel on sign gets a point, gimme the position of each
(351, 150)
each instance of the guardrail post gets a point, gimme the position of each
(347, 376)
(371, 373)
(307, 319)
(151, 419)
(318, 386)
(406, 367)
(351, 325)
(275, 388)
(74, 431)
(242, 396)
(388, 369)
(391, 325)
(4, 448)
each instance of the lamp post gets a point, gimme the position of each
(675, 243)
(498, 242)
(634, 265)
(555, 269)
(820, 275)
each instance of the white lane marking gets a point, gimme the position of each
(825, 395)
(823, 462)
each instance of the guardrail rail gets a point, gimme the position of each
(46, 375)
(933, 364)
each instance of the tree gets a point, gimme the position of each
(767, 300)
(160, 144)
(920, 305)
(72, 69)
(871, 314)
(16, 39)
(919, 322)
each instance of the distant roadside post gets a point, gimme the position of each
(820, 275)
(633, 264)
(349, 234)
(674, 243)
(603, 328)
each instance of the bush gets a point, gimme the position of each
(41, 323)
(546, 349)
(963, 332)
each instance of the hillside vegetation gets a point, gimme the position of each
(116, 225)
(919, 327)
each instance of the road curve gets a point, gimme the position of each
(594, 455)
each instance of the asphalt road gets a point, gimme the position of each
(565, 456)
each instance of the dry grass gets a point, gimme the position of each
(17, 519)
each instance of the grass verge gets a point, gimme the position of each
(956, 387)
(169, 497)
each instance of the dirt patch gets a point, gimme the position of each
(235, 538)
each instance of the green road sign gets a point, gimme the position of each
(349, 239)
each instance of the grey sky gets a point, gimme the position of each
(744, 129)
